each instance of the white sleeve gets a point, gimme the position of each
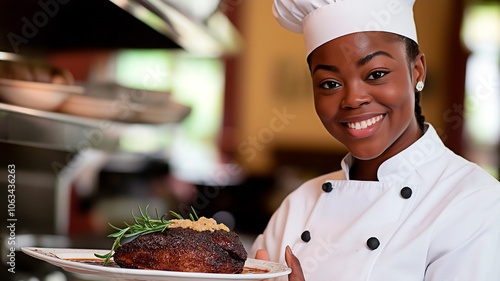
(466, 241)
(272, 238)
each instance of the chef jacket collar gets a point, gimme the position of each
(402, 165)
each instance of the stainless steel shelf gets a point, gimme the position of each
(57, 131)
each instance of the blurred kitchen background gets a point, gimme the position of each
(110, 104)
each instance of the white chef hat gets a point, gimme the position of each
(323, 20)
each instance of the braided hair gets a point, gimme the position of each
(412, 51)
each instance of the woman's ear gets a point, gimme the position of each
(419, 69)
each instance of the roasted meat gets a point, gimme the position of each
(184, 249)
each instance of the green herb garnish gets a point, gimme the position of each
(143, 225)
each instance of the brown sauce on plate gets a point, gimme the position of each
(93, 261)
(251, 270)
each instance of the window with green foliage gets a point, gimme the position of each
(195, 81)
(481, 35)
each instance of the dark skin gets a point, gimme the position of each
(370, 81)
(364, 94)
(291, 260)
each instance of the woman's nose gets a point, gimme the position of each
(355, 96)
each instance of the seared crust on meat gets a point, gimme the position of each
(181, 249)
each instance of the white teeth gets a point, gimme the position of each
(364, 124)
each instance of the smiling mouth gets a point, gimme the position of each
(360, 125)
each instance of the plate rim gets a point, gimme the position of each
(72, 266)
(42, 86)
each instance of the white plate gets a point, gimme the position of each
(36, 95)
(61, 257)
(123, 110)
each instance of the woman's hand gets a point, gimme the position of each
(291, 260)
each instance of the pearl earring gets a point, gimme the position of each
(420, 86)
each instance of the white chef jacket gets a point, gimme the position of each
(431, 216)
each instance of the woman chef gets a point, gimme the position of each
(403, 207)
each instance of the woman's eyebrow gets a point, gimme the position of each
(369, 57)
(360, 62)
(331, 68)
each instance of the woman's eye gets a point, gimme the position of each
(376, 75)
(329, 85)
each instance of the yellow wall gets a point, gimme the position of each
(434, 27)
(275, 82)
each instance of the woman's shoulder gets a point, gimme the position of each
(456, 180)
(312, 188)
(466, 171)
(336, 175)
(303, 199)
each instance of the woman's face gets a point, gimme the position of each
(364, 93)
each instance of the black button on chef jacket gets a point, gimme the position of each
(306, 236)
(406, 192)
(327, 187)
(373, 243)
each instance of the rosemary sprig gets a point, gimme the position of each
(191, 217)
(143, 225)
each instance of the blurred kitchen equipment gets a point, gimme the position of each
(36, 95)
(115, 102)
(196, 25)
(24, 68)
(199, 27)
(32, 83)
(51, 143)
